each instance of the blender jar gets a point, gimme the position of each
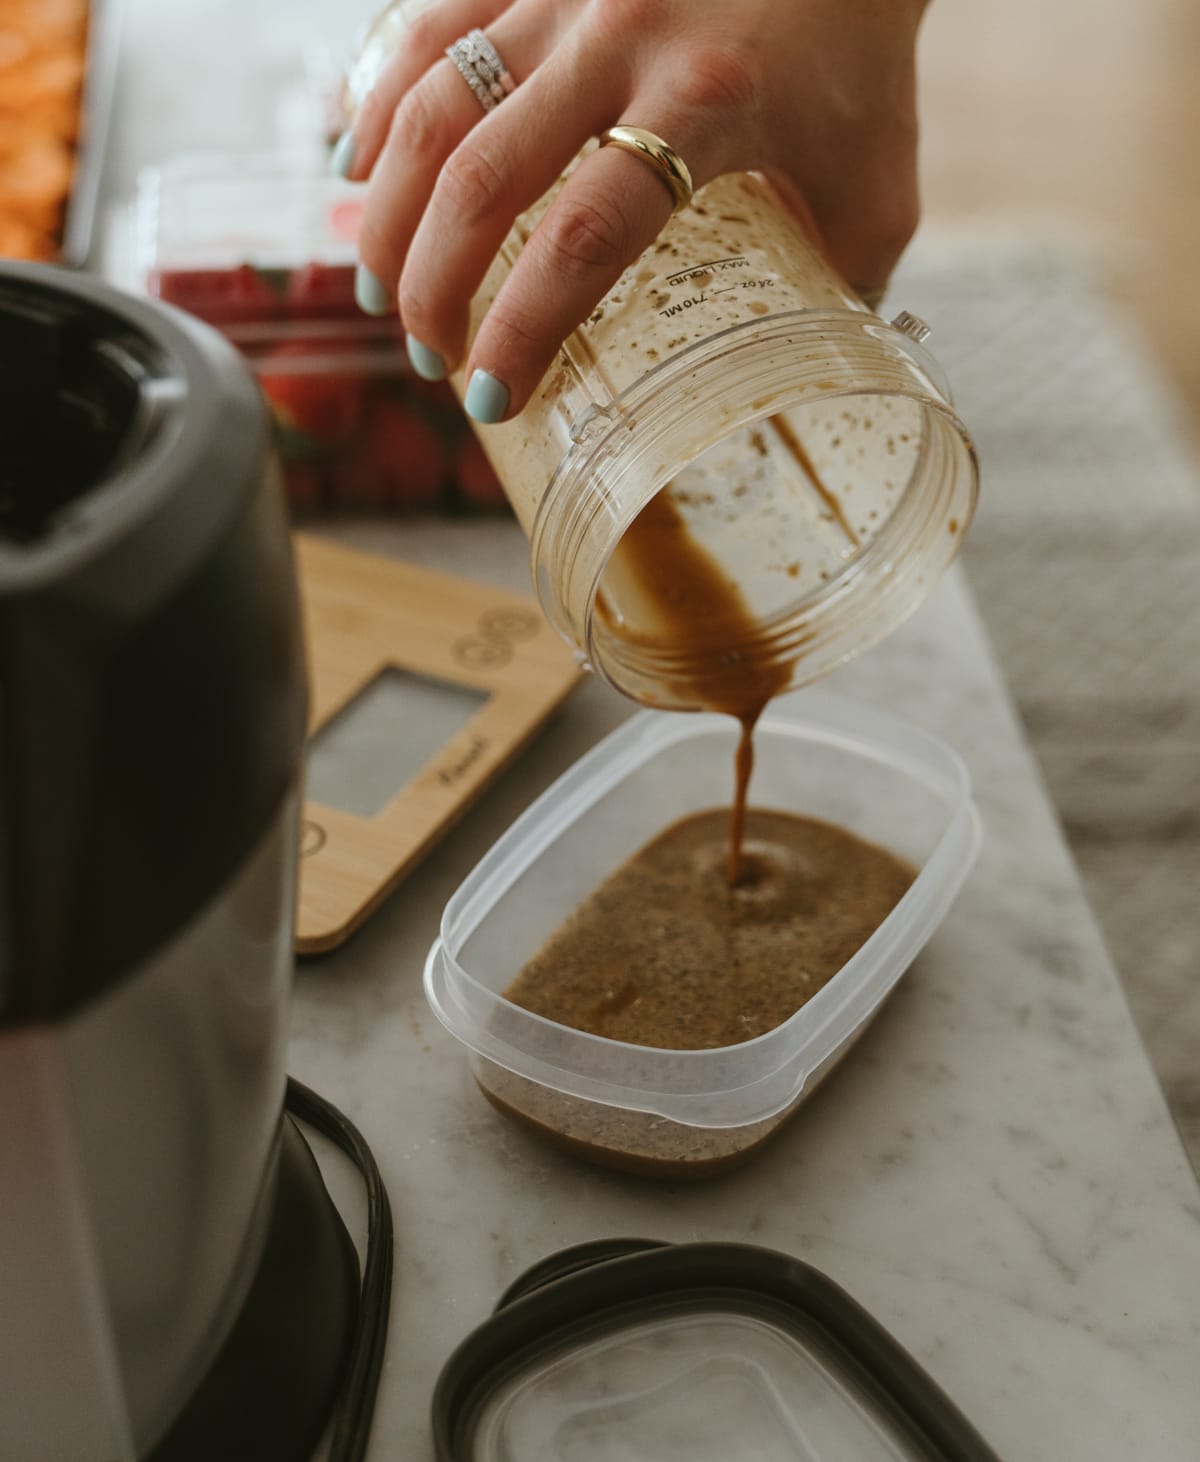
(806, 449)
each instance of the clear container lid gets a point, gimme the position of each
(255, 244)
(633, 1351)
(273, 210)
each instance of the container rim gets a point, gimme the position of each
(680, 408)
(689, 1081)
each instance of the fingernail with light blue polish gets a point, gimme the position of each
(427, 363)
(371, 293)
(341, 160)
(486, 400)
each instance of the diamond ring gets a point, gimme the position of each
(480, 66)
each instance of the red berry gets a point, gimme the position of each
(397, 459)
(324, 291)
(223, 296)
(258, 292)
(309, 394)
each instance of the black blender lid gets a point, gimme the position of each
(628, 1350)
(123, 425)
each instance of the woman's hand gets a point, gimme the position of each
(819, 95)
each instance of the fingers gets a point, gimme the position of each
(500, 169)
(433, 117)
(425, 42)
(447, 181)
(607, 214)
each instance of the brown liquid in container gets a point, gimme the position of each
(666, 954)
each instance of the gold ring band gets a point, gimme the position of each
(670, 166)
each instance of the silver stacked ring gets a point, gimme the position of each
(480, 66)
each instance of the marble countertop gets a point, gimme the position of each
(993, 1172)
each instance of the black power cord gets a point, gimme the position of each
(356, 1405)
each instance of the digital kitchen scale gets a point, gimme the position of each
(424, 687)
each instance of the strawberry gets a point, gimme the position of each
(309, 397)
(397, 460)
(224, 296)
(322, 291)
(190, 289)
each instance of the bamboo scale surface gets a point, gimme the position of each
(363, 616)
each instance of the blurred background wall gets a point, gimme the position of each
(1081, 116)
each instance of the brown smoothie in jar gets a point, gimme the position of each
(667, 953)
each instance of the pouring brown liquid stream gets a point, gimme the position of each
(705, 614)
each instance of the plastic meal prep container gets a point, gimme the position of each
(690, 1113)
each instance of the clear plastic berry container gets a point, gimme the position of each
(263, 247)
